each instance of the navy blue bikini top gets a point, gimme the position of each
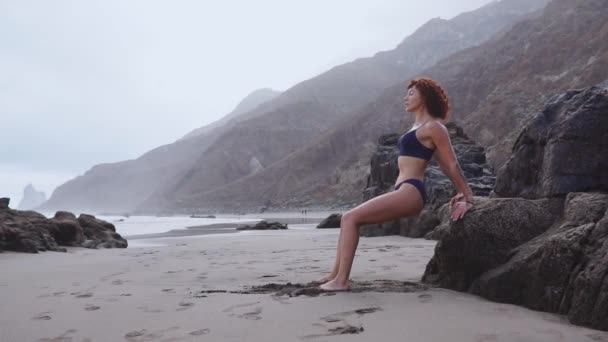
(410, 146)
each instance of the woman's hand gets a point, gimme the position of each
(459, 196)
(459, 209)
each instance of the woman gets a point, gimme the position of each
(428, 137)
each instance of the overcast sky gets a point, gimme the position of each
(88, 82)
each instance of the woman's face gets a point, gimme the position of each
(413, 100)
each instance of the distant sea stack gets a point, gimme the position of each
(32, 198)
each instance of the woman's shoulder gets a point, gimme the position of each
(436, 127)
(436, 132)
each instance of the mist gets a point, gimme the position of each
(96, 82)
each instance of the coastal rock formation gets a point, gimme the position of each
(547, 248)
(31, 232)
(332, 221)
(32, 198)
(564, 149)
(263, 225)
(384, 172)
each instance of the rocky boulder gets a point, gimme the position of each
(332, 221)
(564, 148)
(31, 232)
(263, 225)
(4, 201)
(548, 248)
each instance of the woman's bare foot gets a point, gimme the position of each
(326, 279)
(334, 285)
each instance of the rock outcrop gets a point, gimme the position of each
(263, 225)
(31, 232)
(32, 198)
(564, 149)
(547, 248)
(332, 221)
(384, 172)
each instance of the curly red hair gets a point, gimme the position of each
(435, 98)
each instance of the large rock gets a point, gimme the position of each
(540, 253)
(484, 238)
(549, 251)
(332, 221)
(100, 233)
(4, 201)
(564, 148)
(384, 172)
(263, 225)
(31, 232)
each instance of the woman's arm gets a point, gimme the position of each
(446, 158)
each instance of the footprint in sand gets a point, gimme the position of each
(148, 310)
(135, 333)
(61, 338)
(43, 316)
(425, 298)
(145, 335)
(184, 306)
(82, 294)
(200, 332)
(337, 316)
(347, 329)
(341, 330)
(252, 315)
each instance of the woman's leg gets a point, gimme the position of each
(407, 201)
(334, 271)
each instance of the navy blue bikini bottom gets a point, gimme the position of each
(418, 184)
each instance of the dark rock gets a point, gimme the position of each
(202, 216)
(4, 201)
(484, 238)
(564, 148)
(548, 253)
(536, 253)
(100, 233)
(384, 172)
(64, 215)
(332, 221)
(263, 225)
(31, 232)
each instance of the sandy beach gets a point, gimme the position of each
(218, 287)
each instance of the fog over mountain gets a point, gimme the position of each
(88, 83)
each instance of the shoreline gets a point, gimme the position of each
(224, 228)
